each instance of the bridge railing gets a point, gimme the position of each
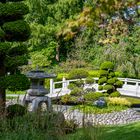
(130, 85)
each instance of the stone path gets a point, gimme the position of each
(114, 118)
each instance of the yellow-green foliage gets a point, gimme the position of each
(94, 73)
(118, 101)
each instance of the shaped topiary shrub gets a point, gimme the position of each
(107, 79)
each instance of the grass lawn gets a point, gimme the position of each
(126, 132)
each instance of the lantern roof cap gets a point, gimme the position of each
(39, 74)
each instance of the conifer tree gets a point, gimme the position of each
(13, 31)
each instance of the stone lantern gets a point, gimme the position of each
(37, 94)
(37, 78)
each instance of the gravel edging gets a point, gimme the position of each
(115, 118)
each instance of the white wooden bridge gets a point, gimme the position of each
(131, 87)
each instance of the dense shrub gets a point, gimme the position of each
(93, 96)
(105, 94)
(102, 80)
(107, 66)
(89, 80)
(100, 87)
(15, 110)
(78, 74)
(115, 94)
(76, 91)
(112, 74)
(103, 73)
(79, 83)
(65, 99)
(108, 87)
(119, 84)
(71, 86)
(94, 73)
(111, 81)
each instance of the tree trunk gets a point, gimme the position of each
(2, 90)
(57, 54)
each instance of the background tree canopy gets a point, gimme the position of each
(85, 30)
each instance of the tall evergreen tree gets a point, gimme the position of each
(13, 31)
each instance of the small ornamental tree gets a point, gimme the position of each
(107, 80)
(12, 29)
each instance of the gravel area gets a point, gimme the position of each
(114, 118)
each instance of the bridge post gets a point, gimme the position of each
(137, 88)
(51, 86)
(64, 84)
(125, 81)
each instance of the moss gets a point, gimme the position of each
(103, 73)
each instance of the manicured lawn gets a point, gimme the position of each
(126, 132)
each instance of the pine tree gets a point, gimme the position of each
(13, 31)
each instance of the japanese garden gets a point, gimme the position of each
(69, 70)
